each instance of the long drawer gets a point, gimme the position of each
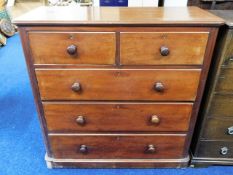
(124, 84)
(117, 117)
(73, 48)
(215, 149)
(117, 146)
(163, 48)
(218, 128)
(221, 106)
(225, 82)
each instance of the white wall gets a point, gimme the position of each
(96, 2)
(175, 3)
(142, 3)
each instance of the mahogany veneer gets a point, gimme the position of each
(118, 87)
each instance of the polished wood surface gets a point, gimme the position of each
(228, 50)
(92, 47)
(121, 163)
(180, 52)
(221, 106)
(121, 84)
(218, 129)
(212, 144)
(116, 117)
(100, 112)
(117, 146)
(213, 149)
(225, 83)
(118, 15)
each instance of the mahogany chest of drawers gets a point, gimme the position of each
(213, 141)
(118, 87)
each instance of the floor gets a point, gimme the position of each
(21, 146)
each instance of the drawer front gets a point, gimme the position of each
(118, 117)
(215, 149)
(218, 128)
(225, 82)
(131, 84)
(117, 146)
(182, 48)
(73, 48)
(221, 106)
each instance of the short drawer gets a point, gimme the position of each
(221, 106)
(124, 84)
(218, 128)
(161, 48)
(215, 149)
(117, 146)
(116, 117)
(73, 48)
(225, 82)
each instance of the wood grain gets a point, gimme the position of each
(118, 146)
(213, 151)
(181, 52)
(118, 16)
(120, 96)
(92, 47)
(116, 117)
(228, 50)
(225, 83)
(217, 129)
(35, 90)
(221, 106)
(175, 163)
(216, 112)
(121, 84)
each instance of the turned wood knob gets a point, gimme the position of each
(76, 87)
(83, 149)
(159, 87)
(80, 120)
(154, 119)
(224, 150)
(150, 148)
(164, 51)
(72, 50)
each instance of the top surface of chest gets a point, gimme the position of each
(118, 16)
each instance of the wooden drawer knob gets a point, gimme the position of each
(76, 87)
(159, 87)
(83, 149)
(150, 149)
(164, 51)
(80, 120)
(224, 150)
(230, 130)
(154, 119)
(72, 50)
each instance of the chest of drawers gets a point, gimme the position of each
(213, 142)
(118, 87)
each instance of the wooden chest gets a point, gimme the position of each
(213, 141)
(118, 87)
